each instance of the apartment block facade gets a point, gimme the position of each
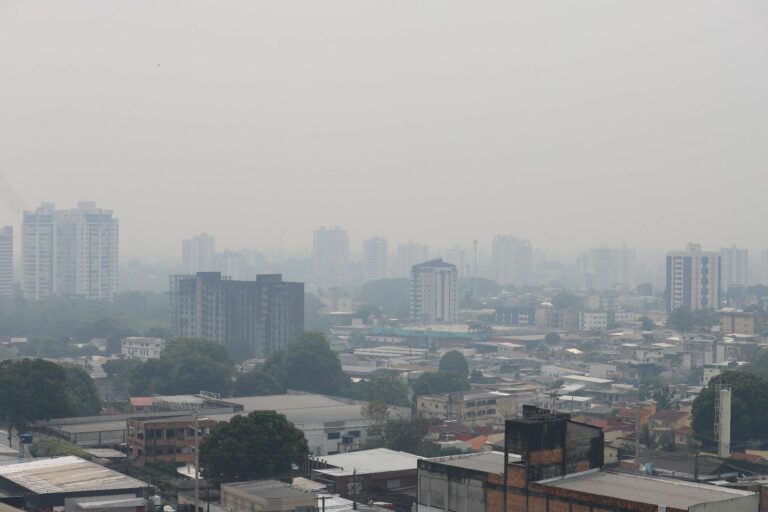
(70, 253)
(6, 261)
(434, 292)
(693, 279)
(250, 318)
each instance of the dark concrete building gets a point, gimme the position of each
(554, 464)
(250, 318)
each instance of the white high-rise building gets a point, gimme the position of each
(374, 259)
(734, 267)
(6, 261)
(606, 268)
(409, 255)
(198, 254)
(512, 261)
(73, 253)
(434, 292)
(693, 279)
(330, 257)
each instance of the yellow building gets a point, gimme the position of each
(473, 408)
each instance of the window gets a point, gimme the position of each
(354, 433)
(334, 435)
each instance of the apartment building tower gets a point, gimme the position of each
(734, 267)
(374, 259)
(71, 253)
(198, 254)
(434, 292)
(408, 255)
(250, 318)
(512, 260)
(693, 279)
(606, 268)
(330, 257)
(6, 261)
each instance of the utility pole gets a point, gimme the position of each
(637, 437)
(474, 289)
(197, 464)
(354, 489)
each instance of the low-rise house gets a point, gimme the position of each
(265, 496)
(166, 439)
(139, 347)
(472, 408)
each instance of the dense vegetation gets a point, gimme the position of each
(33, 389)
(51, 324)
(263, 444)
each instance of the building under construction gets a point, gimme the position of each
(250, 318)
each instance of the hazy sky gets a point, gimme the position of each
(569, 123)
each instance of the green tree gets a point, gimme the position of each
(56, 448)
(647, 324)
(34, 389)
(680, 320)
(367, 312)
(552, 338)
(180, 347)
(392, 295)
(664, 398)
(440, 382)
(749, 408)
(376, 414)
(407, 435)
(256, 382)
(454, 361)
(308, 364)
(263, 444)
(81, 392)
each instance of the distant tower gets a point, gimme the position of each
(198, 254)
(434, 292)
(330, 257)
(374, 259)
(693, 279)
(6, 261)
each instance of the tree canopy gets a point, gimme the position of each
(454, 361)
(647, 324)
(34, 389)
(392, 295)
(552, 338)
(685, 320)
(385, 388)
(256, 382)
(263, 444)
(749, 408)
(565, 300)
(440, 382)
(308, 364)
(186, 366)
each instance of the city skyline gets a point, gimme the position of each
(489, 138)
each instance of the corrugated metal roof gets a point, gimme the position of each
(66, 474)
(655, 491)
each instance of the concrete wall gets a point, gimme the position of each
(736, 504)
(450, 488)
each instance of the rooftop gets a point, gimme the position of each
(269, 489)
(378, 460)
(65, 475)
(487, 462)
(655, 491)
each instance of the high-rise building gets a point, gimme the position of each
(250, 318)
(734, 263)
(330, 257)
(606, 268)
(409, 255)
(458, 257)
(434, 292)
(764, 267)
(693, 279)
(6, 261)
(198, 254)
(73, 253)
(374, 259)
(512, 261)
